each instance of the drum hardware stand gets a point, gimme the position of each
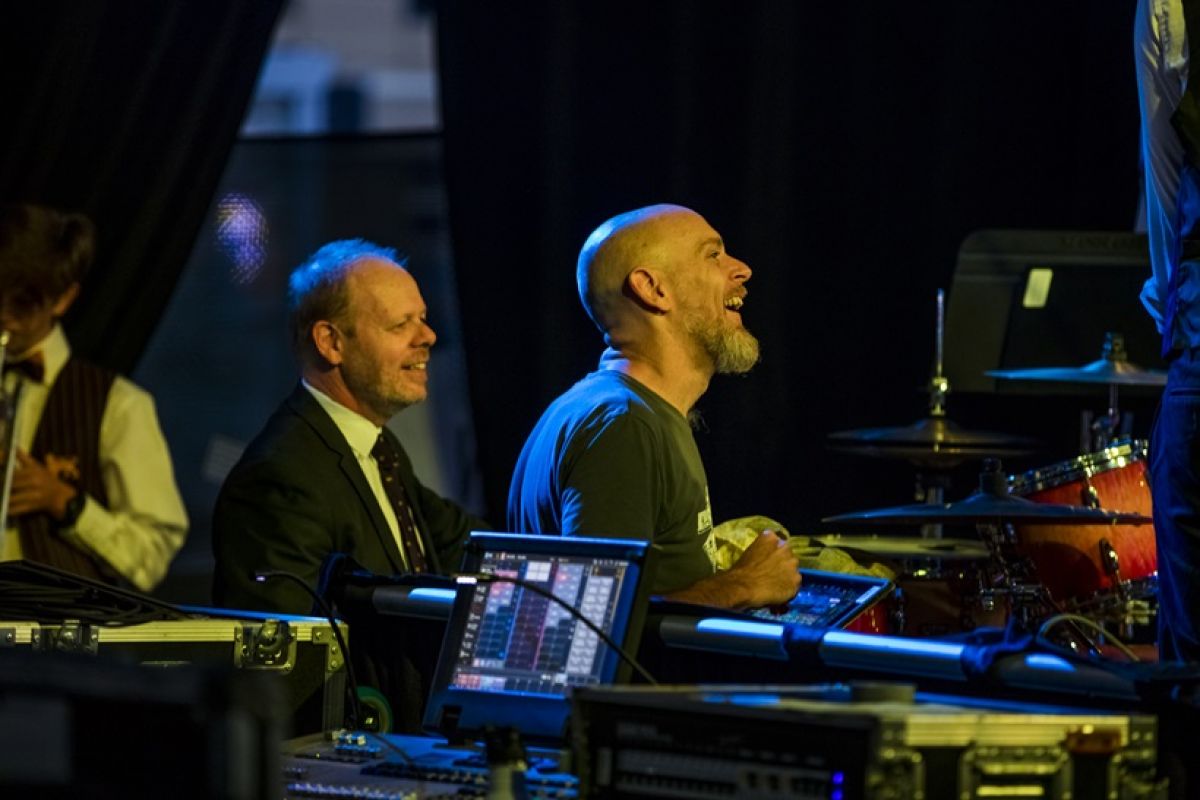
(1029, 601)
(931, 488)
(1099, 432)
(934, 491)
(1126, 611)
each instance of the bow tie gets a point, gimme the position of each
(32, 366)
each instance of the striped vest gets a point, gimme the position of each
(68, 442)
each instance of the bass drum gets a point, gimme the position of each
(1069, 559)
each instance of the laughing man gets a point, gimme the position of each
(615, 455)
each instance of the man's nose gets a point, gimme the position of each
(741, 271)
(427, 335)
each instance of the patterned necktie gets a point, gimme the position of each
(388, 459)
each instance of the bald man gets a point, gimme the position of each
(615, 455)
(321, 478)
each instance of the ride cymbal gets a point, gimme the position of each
(1103, 371)
(1112, 368)
(982, 508)
(990, 503)
(933, 440)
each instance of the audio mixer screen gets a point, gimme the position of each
(516, 640)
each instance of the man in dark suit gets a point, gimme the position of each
(325, 475)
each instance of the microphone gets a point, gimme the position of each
(339, 571)
(361, 594)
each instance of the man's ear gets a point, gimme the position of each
(328, 341)
(646, 286)
(63, 302)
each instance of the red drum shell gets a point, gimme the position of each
(876, 619)
(1067, 557)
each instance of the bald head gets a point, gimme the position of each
(634, 239)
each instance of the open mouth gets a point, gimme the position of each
(734, 304)
(420, 366)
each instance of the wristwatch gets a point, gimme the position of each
(72, 509)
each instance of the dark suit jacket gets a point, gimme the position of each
(298, 495)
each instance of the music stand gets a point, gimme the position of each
(1023, 298)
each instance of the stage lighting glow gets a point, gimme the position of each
(739, 627)
(893, 645)
(1047, 661)
(435, 595)
(242, 235)
(750, 699)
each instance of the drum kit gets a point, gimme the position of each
(1071, 541)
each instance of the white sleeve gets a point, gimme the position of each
(144, 523)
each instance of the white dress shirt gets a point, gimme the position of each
(360, 433)
(144, 523)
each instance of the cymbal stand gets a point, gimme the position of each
(932, 488)
(939, 386)
(1099, 432)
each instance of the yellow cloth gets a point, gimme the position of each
(735, 535)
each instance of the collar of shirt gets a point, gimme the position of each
(360, 432)
(55, 352)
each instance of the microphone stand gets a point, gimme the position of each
(8, 418)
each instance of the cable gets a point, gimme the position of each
(26, 594)
(262, 576)
(1078, 619)
(484, 577)
(395, 748)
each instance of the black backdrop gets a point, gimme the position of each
(126, 111)
(843, 149)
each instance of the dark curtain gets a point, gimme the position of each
(126, 111)
(844, 150)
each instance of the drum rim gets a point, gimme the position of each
(1078, 468)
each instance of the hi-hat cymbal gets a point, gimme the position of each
(908, 547)
(933, 440)
(984, 507)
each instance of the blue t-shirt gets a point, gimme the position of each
(611, 458)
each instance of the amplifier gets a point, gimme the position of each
(830, 743)
(300, 651)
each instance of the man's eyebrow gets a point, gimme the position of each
(714, 240)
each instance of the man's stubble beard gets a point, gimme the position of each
(733, 350)
(367, 382)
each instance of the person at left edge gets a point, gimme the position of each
(93, 488)
(309, 484)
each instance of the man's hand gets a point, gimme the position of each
(36, 489)
(769, 570)
(767, 574)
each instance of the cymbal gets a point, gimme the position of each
(1104, 371)
(1112, 368)
(984, 507)
(933, 440)
(898, 547)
